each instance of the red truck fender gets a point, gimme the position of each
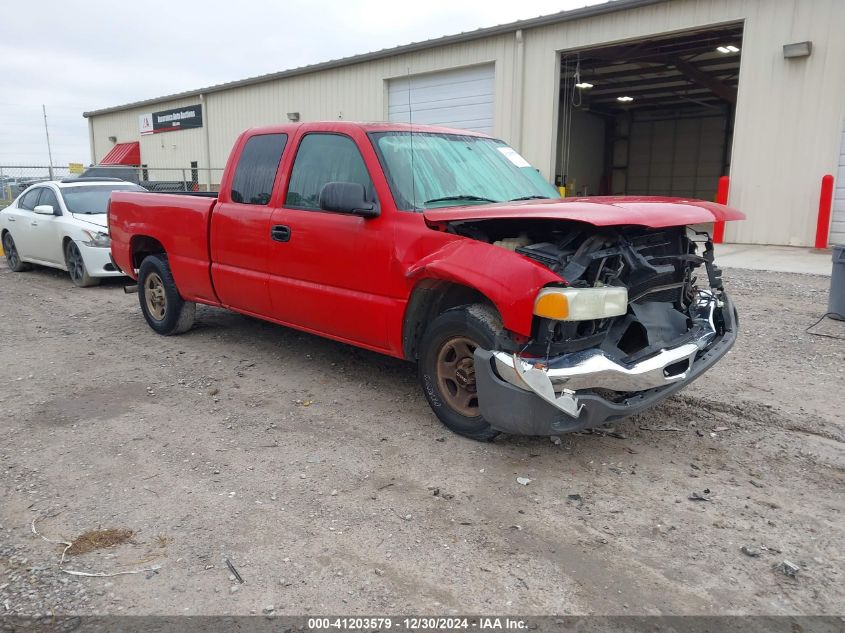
(509, 281)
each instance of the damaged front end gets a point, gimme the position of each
(642, 314)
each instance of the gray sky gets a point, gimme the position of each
(96, 54)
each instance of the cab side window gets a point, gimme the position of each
(323, 158)
(257, 167)
(49, 197)
(30, 199)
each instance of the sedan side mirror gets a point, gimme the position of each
(44, 209)
(347, 197)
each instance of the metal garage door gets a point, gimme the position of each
(461, 98)
(837, 225)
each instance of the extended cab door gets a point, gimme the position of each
(329, 272)
(240, 226)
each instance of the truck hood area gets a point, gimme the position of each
(653, 212)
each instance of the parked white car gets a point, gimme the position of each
(62, 224)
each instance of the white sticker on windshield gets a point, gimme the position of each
(511, 154)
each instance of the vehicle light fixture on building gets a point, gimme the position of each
(799, 49)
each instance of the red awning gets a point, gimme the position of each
(123, 154)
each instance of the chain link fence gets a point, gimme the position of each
(15, 178)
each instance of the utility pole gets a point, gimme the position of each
(47, 131)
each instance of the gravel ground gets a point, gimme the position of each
(318, 471)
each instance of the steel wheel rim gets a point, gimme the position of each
(155, 297)
(456, 375)
(75, 265)
(10, 250)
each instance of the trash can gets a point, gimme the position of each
(836, 302)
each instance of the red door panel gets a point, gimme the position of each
(240, 235)
(332, 274)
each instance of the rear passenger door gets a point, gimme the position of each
(329, 271)
(240, 227)
(20, 224)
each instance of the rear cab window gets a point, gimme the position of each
(257, 168)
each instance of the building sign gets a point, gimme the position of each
(170, 120)
(75, 168)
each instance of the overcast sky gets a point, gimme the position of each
(74, 57)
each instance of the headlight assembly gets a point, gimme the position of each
(97, 239)
(581, 304)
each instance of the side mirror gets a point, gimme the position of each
(347, 197)
(44, 209)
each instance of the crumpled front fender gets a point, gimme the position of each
(509, 280)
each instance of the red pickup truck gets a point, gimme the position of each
(526, 313)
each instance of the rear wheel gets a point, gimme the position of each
(164, 308)
(13, 258)
(447, 367)
(76, 267)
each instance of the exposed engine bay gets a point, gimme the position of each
(669, 275)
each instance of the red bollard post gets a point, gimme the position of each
(721, 198)
(825, 206)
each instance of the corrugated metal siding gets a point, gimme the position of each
(787, 119)
(166, 149)
(837, 225)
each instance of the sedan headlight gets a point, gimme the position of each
(97, 238)
(581, 304)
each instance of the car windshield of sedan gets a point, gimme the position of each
(455, 169)
(91, 200)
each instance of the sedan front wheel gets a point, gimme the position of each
(76, 267)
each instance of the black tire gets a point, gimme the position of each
(166, 311)
(451, 397)
(76, 267)
(13, 257)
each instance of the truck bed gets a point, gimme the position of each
(177, 221)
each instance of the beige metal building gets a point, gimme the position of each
(656, 97)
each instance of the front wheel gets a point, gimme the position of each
(163, 307)
(13, 258)
(76, 267)
(447, 367)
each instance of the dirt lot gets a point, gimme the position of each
(319, 472)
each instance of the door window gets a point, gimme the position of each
(48, 197)
(30, 199)
(257, 167)
(323, 158)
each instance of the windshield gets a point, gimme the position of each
(94, 199)
(455, 169)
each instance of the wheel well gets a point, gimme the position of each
(429, 299)
(143, 246)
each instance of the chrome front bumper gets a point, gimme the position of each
(559, 381)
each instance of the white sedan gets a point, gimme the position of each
(64, 225)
